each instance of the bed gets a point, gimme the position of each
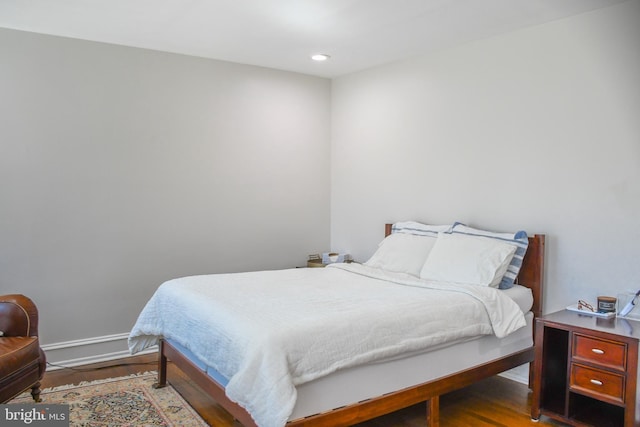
(328, 388)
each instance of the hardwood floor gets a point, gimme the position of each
(495, 401)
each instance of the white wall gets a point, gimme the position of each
(121, 168)
(537, 129)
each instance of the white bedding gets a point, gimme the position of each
(270, 331)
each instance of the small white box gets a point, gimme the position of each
(332, 257)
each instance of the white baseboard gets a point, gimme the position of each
(88, 350)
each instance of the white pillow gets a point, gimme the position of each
(402, 253)
(469, 260)
(518, 239)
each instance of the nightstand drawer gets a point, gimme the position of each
(606, 353)
(599, 384)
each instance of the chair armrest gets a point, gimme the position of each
(18, 316)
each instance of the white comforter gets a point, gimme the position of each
(272, 330)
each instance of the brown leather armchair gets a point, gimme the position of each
(22, 361)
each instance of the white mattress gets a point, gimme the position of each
(362, 382)
(375, 379)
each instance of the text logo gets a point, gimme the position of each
(34, 415)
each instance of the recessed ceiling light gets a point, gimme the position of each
(320, 57)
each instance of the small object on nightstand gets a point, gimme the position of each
(630, 305)
(331, 257)
(580, 308)
(606, 304)
(315, 260)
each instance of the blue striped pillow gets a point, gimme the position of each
(419, 229)
(518, 239)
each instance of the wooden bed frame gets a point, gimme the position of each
(531, 275)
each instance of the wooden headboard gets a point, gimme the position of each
(532, 271)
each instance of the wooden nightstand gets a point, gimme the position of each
(586, 370)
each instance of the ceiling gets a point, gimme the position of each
(282, 34)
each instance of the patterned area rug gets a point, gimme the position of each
(123, 401)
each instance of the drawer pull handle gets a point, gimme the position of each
(596, 382)
(597, 351)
